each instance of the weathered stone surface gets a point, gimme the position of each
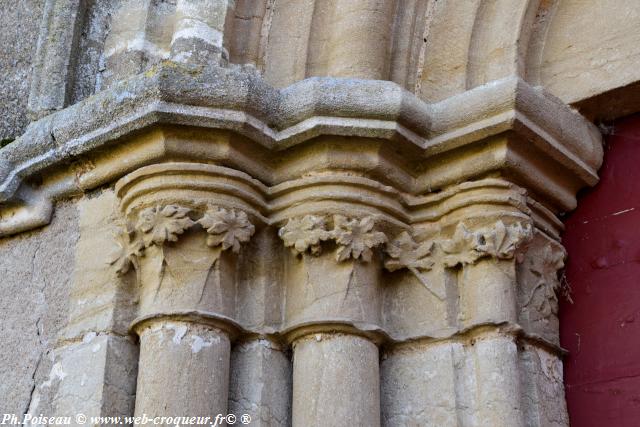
(327, 181)
(418, 386)
(94, 377)
(584, 56)
(260, 383)
(335, 381)
(20, 23)
(176, 357)
(35, 270)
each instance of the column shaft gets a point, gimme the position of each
(183, 369)
(260, 383)
(335, 381)
(199, 29)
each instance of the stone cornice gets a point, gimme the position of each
(238, 100)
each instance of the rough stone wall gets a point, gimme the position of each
(20, 24)
(35, 276)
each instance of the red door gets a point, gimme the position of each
(601, 329)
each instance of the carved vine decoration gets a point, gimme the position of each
(163, 224)
(130, 247)
(304, 234)
(544, 295)
(227, 228)
(464, 247)
(356, 238)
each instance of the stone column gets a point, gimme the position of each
(199, 29)
(359, 39)
(127, 48)
(333, 301)
(472, 373)
(260, 383)
(186, 270)
(177, 356)
(335, 380)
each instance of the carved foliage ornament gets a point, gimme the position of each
(306, 233)
(499, 241)
(543, 297)
(128, 251)
(356, 238)
(161, 224)
(405, 252)
(464, 247)
(226, 228)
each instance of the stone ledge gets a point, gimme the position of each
(238, 100)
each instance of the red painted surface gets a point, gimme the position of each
(601, 329)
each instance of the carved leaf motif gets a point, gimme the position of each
(228, 228)
(404, 252)
(461, 248)
(301, 234)
(161, 224)
(130, 247)
(501, 241)
(544, 294)
(356, 238)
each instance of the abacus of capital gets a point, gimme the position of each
(334, 251)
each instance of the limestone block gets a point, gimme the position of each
(488, 292)
(95, 377)
(35, 277)
(177, 356)
(199, 29)
(419, 385)
(583, 56)
(202, 280)
(322, 289)
(18, 41)
(411, 309)
(260, 283)
(55, 57)
(260, 383)
(101, 301)
(542, 378)
(498, 384)
(335, 381)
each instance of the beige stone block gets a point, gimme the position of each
(541, 376)
(498, 389)
(94, 377)
(260, 384)
(419, 385)
(488, 292)
(100, 301)
(322, 289)
(177, 356)
(335, 381)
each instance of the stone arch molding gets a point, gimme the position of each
(379, 206)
